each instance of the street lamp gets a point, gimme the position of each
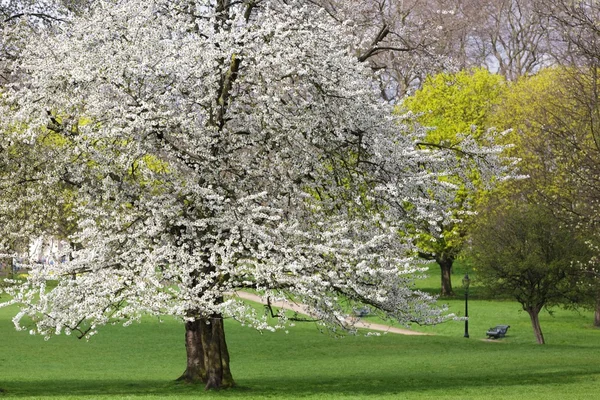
(466, 282)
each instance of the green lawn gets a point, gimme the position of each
(558, 326)
(143, 360)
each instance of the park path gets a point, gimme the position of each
(300, 308)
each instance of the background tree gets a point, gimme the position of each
(511, 37)
(454, 105)
(554, 116)
(404, 41)
(521, 250)
(579, 52)
(576, 25)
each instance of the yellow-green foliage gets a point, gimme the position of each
(453, 105)
(57, 138)
(355, 194)
(525, 107)
(456, 103)
(536, 108)
(155, 164)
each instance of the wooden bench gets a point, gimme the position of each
(362, 312)
(499, 331)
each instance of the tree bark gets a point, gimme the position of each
(445, 264)
(535, 323)
(207, 354)
(195, 370)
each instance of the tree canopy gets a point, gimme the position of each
(455, 106)
(521, 250)
(213, 146)
(555, 121)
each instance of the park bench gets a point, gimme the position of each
(362, 312)
(498, 331)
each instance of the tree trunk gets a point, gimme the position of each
(207, 354)
(445, 264)
(535, 323)
(195, 370)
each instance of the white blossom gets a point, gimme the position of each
(199, 152)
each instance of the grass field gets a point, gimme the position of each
(143, 360)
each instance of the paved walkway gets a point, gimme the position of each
(300, 308)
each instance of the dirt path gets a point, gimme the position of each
(299, 308)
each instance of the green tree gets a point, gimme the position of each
(555, 119)
(454, 106)
(523, 251)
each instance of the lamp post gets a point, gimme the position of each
(466, 282)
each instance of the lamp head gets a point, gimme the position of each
(466, 281)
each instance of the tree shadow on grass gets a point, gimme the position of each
(366, 385)
(398, 383)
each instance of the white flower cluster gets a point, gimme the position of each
(189, 150)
